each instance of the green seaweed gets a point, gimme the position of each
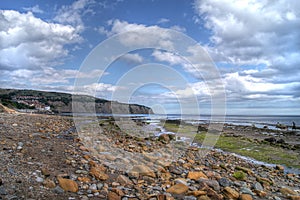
(241, 145)
(240, 175)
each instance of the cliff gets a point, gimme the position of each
(62, 102)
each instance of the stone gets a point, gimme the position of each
(3, 191)
(211, 183)
(39, 180)
(204, 198)
(189, 198)
(213, 194)
(245, 197)
(197, 193)
(49, 183)
(175, 170)
(258, 186)
(83, 148)
(93, 187)
(115, 184)
(224, 182)
(12, 197)
(230, 193)
(245, 190)
(1, 182)
(113, 196)
(280, 168)
(264, 180)
(100, 186)
(84, 179)
(68, 184)
(98, 172)
(181, 180)
(178, 189)
(58, 190)
(45, 172)
(196, 175)
(244, 169)
(295, 197)
(118, 191)
(287, 191)
(260, 193)
(164, 138)
(81, 172)
(143, 170)
(123, 180)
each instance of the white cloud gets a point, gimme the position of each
(169, 57)
(28, 42)
(102, 30)
(178, 28)
(163, 21)
(72, 14)
(252, 32)
(34, 9)
(132, 58)
(245, 86)
(141, 35)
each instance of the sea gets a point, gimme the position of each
(228, 119)
(247, 120)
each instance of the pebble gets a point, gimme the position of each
(3, 191)
(45, 172)
(189, 198)
(81, 172)
(224, 182)
(68, 184)
(230, 193)
(49, 183)
(245, 190)
(211, 183)
(245, 197)
(100, 186)
(258, 186)
(58, 190)
(39, 179)
(98, 173)
(179, 188)
(196, 175)
(93, 187)
(12, 197)
(287, 191)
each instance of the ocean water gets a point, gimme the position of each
(258, 120)
(247, 120)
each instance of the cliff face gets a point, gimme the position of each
(63, 102)
(4, 109)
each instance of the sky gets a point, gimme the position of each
(247, 55)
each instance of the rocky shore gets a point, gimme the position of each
(44, 157)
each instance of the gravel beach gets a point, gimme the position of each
(42, 157)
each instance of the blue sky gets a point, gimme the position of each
(255, 46)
